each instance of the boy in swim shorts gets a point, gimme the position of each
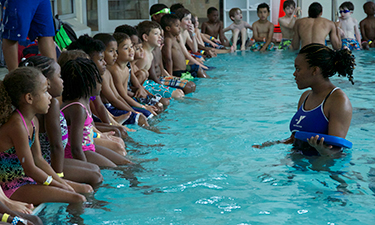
(263, 30)
(239, 29)
(27, 18)
(348, 27)
(367, 26)
(287, 23)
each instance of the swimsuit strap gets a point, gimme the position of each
(325, 97)
(74, 103)
(24, 123)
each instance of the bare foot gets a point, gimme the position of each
(243, 48)
(129, 130)
(19, 206)
(232, 49)
(121, 119)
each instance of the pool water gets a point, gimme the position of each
(208, 173)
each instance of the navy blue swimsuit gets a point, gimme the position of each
(312, 120)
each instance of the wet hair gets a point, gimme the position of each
(211, 10)
(315, 9)
(127, 29)
(43, 63)
(347, 5)
(88, 45)
(145, 27)
(104, 37)
(233, 11)
(156, 8)
(19, 82)
(65, 56)
(120, 37)
(289, 3)
(176, 7)
(167, 20)
(367, 4)
(329, 61)
(262, 6)
(80, 76)
(182, 12)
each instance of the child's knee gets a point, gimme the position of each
(189, 87)
(178, 93)
(165, 101)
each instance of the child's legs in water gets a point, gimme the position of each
(82, 172)
(201, 73)
(98, 159)
(80, 188)
(111, 155)
(189, 87)
(37, 194)
(112, 145)
(243, 38)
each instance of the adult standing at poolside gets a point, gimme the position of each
(314, 29)
(27, 18)
(324, 109)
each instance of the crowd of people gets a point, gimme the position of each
(62, 118)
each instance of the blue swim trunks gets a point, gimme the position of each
(351, 44)
(133, 119)
(193, 69)
(27, 18)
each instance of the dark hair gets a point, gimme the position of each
(167, 20)
(232, 11)
(145, 27)
(65, 56)
(347, 5)
(330, 61)
(127, 29)
(104, 37)
(88, 45)
(289, 3)
(367, 4)
(120, 37)
(262, 6)
(181, 13)
(156, 8)
(315, 9)
(193, 20)
(211, 10)
(43, 63)
(80, 76)
(176, 6)
(18, 82)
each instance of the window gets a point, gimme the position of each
(65, 8)
(128, 10)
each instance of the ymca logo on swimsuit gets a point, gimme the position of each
(299, 121)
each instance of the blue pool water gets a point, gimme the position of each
(208, 173)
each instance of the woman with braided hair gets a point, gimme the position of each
(325, 109)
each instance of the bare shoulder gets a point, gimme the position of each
(270, 25)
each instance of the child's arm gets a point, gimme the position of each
(268, 38)
(43, 165)
(248, 26)
(203, 28)
(53, 129)
(230, 27)
(113, 98)
(356, 31)
(140, 90)
(191, 39)
(289, 25)
(101, 111)
(296, 39)
(188, 56)
(167, 55)
(363, 31)
(222, 38)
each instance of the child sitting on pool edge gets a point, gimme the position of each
(238, 27)
(263, 30)
(348, 27)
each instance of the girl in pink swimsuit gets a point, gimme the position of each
(82, 80)
(25, 175)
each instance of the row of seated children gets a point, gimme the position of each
(351, 36)
(106, 79)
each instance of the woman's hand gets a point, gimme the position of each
(323, 149)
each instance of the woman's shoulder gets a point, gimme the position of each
(338, 99)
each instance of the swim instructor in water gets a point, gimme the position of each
(324, 109)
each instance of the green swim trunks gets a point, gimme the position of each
(285, 44)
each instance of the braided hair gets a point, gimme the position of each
(43, 63)
(19, 82)
(80, 76)
(330, 61)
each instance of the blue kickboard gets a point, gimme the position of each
(328, 139)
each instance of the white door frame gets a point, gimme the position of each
(108, 26)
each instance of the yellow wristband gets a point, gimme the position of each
(48, 181)
(211, 38)
(5, 218)
(110, 124)
(60, 174)
(98, 136)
